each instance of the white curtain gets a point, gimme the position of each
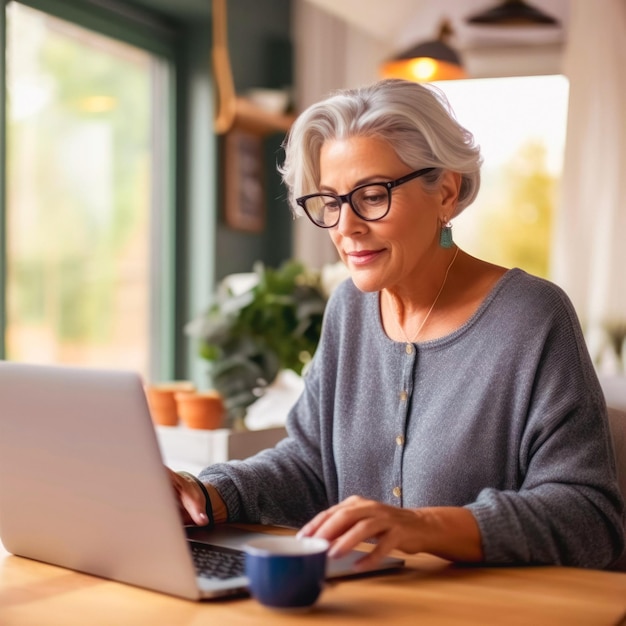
(589, 259)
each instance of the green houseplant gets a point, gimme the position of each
(247, 337)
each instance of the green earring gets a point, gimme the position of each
(445, 236)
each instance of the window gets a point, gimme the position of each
(520, 124)
(85, 141)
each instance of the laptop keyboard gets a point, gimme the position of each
(217, 562)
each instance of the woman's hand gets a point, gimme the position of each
(192, 502)
(450, 532)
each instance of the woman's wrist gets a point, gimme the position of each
(451, 533)
(215, 511)
(220, 512)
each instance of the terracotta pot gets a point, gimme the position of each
(162, 400)
(200, 410)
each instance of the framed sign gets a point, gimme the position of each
(244, 191)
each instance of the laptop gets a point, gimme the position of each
(83, 486)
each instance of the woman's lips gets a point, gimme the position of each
(363, 257)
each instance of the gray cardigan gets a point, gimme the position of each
(504, 416)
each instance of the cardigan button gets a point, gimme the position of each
(400, 440)
(397, 492)
(408, 348)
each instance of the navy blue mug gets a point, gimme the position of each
(286, 573)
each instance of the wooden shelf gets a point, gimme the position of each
(234, 111)
(251, 117)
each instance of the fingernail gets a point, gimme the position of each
(334, 552)
(203, 519)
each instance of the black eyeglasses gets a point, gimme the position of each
(370, 202)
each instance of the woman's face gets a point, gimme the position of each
(396, 249)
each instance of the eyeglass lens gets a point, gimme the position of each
(370, 202)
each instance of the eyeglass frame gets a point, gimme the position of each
(347, 197)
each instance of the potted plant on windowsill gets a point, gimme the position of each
(249, 335)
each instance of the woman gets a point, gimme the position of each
(451, 406)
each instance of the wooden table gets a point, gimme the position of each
(430, 591)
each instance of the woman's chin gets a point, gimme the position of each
(364, 281)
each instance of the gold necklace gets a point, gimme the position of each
(432, 306)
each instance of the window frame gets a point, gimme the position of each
(144, 31)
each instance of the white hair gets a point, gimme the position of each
(416, 120)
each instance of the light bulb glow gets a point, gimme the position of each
(423, 68)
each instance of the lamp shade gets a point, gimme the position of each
(427, 61)
(513, 13)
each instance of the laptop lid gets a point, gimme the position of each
(83, 485)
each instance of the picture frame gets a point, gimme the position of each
(244, 178)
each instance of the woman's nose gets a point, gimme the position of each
(349, 221)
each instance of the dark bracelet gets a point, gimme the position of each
(209, 506)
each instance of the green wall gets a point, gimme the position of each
(208, 249)
(256, 29)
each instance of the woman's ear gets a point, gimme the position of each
(449, 188)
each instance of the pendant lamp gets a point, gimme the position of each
(513, 13)
(427, 61)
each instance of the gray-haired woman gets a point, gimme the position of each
(451, 406)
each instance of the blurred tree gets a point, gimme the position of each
(87, 156)
(516, 231)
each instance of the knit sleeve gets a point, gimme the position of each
(289, 484)
(568, 510)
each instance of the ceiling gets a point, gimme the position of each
(400, 23)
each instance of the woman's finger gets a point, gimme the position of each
(192, 502)
(361, 530)
(311, 527)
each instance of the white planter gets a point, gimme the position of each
(191, 450)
